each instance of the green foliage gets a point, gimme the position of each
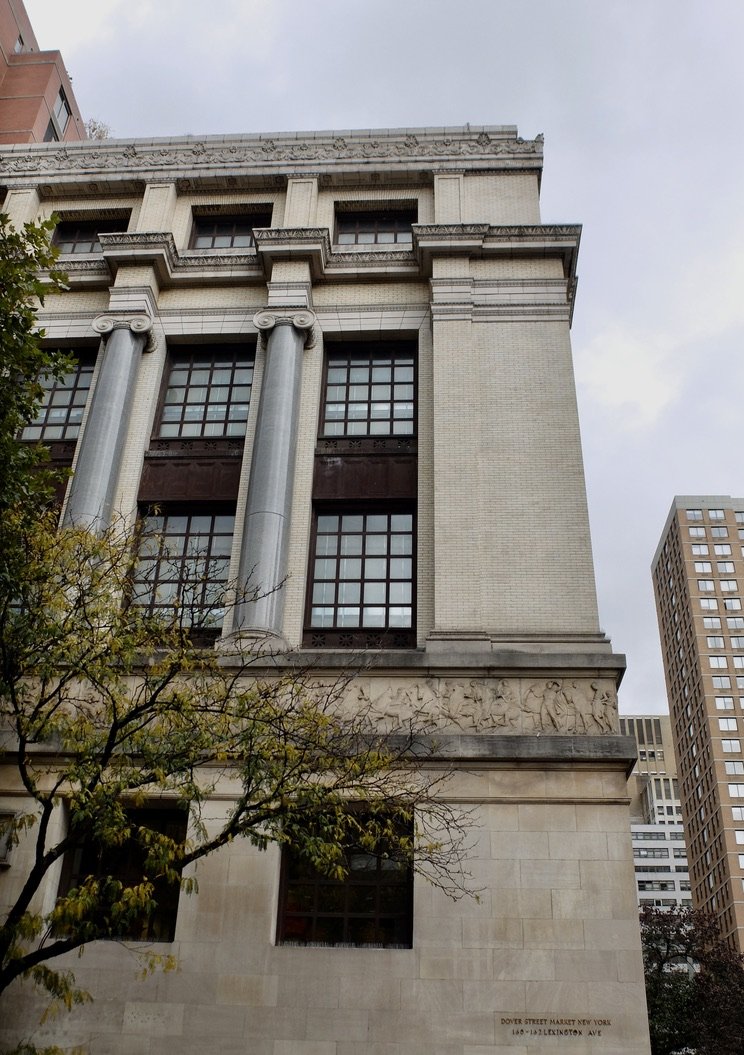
(24, 255)
(694, 984)
(111, 708)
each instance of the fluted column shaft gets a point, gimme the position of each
(263, 554)
(90, 500)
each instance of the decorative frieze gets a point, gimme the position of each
(499, 146)
(552, 705)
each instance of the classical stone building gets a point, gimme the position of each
(307, 347)
(698, 573)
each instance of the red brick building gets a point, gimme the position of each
(37, 104)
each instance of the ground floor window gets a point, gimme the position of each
(372, 906)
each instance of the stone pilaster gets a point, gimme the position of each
(263, 555)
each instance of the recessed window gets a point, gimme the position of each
(63, 403)
(727, 725)
(721, 681)
(369, 227)
(699, 549)
(731, 746)
(724, 703)
(734, 769)
(182, 566)
(732, 604)
(129, 864)
(62, 112)
(696, 532)
(722, 549)
(362, 575)
(369, 391)
(719, 532)
(705, 585)
(712, 622)
(81, 236)
(729, 586)
(207, 392)
(735, 622)
(372, 905)
(725, 567)
(718, 662)
(18, 46)
(694, 514)
(219, 231)
(703, 566)
(736, 791)
(715, 514)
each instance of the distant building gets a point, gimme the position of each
(698, 574)
(344, 358)
(37, 103)
(657, 834)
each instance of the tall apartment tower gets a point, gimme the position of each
(37, 103)
(308, 348)
(657, 833)
(698, 574)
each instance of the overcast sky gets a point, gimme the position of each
(641, 104)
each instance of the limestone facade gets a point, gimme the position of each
(495, 635)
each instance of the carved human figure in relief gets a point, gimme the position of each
(602, 708)
(505, 711)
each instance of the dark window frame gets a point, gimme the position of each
(349, 636)
(200, 357)
(86, 362)
(370, 907)
(340, 356)
(237, 228)
(386, 226)
(80, 236)
(62, 111)
(90, 858)
(203, 591)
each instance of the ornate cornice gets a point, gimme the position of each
(498, 147)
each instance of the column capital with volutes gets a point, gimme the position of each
(302, 319)
(135, 322)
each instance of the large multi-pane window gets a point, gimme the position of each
(207, 393)
(373, 905)
(182, 566)
(63, 402)
(81, 236)
(369, 391)
(370, 227)
(127, 862)
(362, 574)
(227, 232)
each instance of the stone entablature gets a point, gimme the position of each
(321, 153)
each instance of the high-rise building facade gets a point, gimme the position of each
(698, 574)
(37, 103)
(656, 830)
(342, 361)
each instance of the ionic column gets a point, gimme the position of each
(263, 554)
(93, 486)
